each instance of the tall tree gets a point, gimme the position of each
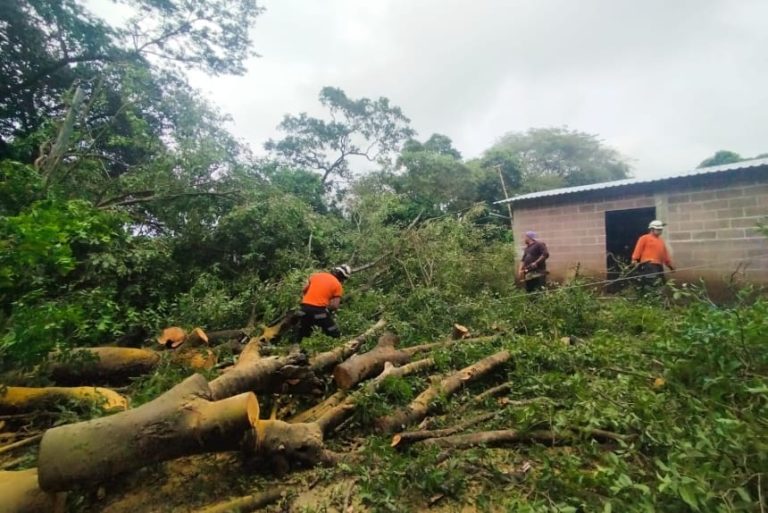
(560, 157)
(370, 129)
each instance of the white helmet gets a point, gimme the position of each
(656, 225)
(343, 270)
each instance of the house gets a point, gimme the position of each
(712, 217)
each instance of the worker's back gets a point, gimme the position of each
(322, 287)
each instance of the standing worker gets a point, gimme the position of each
(533, 266)
(321, 296)
(651, 254)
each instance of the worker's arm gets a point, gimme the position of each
(542, 257)
(667, 260)
(638, 249)
(334, 303)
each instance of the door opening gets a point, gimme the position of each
(622, 229)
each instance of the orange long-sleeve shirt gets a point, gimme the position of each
(650, 248)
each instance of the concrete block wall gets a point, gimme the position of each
(574, 232)
(715, 230)
(711, 227)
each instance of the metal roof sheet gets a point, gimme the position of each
(633, 181)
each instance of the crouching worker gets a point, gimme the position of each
(321, 296)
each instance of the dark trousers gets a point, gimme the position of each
(311, 316)
(534, 284)
(650, 275)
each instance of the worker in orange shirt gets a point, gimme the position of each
(321, 296)
(651, 255)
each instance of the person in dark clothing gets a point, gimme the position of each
(533, 265)
(320, 297)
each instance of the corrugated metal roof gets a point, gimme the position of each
(633, 181)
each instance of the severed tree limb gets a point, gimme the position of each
(102, 364)
(19, 399)
(406, 438)
(333, 416)
(321, 362)
(183, 421)
(505, 437)
(445, 343)
(425, 402)
(360, 366)
(497, 390)
(284, 374)
(20, 493)
(246, 503)
(21, 443)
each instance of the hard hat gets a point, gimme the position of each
(343, 270)
(656, 225)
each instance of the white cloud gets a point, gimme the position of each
(665, 83)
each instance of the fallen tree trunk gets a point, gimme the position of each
(333, 416)
(181, 422)
(273, 374)
(20, 493)
(323, 361)
(102, 364)
(503, 437)
(424, 403)
(360, 366)
(21, 399)
(402, 440)
(247, 503)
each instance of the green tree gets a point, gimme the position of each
(370, 129)
(560, 157)
(721, 157)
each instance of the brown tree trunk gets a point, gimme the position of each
(20, 493)
(323, 361)
(20, 399)
(273, 374)
(102, 364)
(361, 366)
(424, 403)
(180, 422)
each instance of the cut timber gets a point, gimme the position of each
(247, 503)
(180, 422)
(20, 493)
(323, 361)
(335, 415)
(197, 358)
(406, 438)
(280, 374)
(424, 403)
(172, 337)
(20, 399)
(283, 445)
(505, 437)
(361, 366)
(102, 364)
(459, 332)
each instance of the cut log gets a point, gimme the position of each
(181, 422)
(20, 493)
(323, 361)
(283, 445)
(102, 364)
(504, 437)
(20, 399)
(361, 366)
(195, 357)
(274, 374)
(425, 402)
(402, 440)
(172, 337)
(247, 503)
(459, 332)
(333, 416)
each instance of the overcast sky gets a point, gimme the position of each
(665, 82)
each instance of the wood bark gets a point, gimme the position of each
(425, 402)
(361, 366)
(283, 445)
(333, 416)
(402, 440)
(102, 364)
(183, 421)
(20, 493)
(273, 374)
(246, 503)
(323, 361)
(21, 399)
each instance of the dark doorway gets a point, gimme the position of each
(622, 229)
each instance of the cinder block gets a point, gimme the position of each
(678, 198)
(730, 213)
(729, 193)
(731, 233)
(744, 222)
(704, 235)
(746, 201)
(679, 236)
